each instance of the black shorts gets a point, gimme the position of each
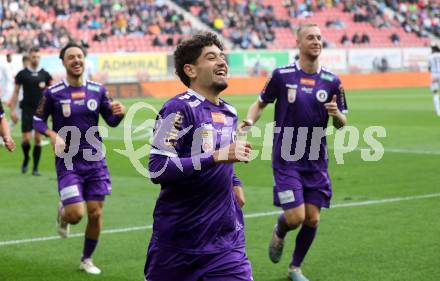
(27, 116)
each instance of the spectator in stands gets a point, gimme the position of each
(395, 38)
(365, 39)
(344, 40)
(157, 42)
(356, 39)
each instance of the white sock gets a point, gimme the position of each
(436, 104)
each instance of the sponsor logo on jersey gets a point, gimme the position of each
(79, 102)
(307, 81)
(321, 95)
(194, 103)
(92, 104)
(307, 90)
(327, 77)
(78, 95)
(286, 196)
(69, 192)
(291, 95)
(294, 86)
(57, 89)
(218, 117)
(94, 88)
(287, 70)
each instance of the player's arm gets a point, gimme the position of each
(112, 111)
(173, 131)
(13, 103)
(5, 133)
(268, 95)
(44, 110)
(238, 190)
(337, 107)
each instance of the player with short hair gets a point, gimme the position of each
(72, 102)
(8, 141)
(306, 94)
(434, 68)
(198, 230)
(34, 80)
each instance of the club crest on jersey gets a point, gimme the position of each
(92, 104)
(42, 85)
(208, 138)
(291, 95)
(65, 106)
(321, 95)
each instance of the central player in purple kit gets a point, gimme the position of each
(73, 102)
(306, 95)
(198, 230)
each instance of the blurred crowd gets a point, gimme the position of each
(248, 24)
(45, 23)
(420, 16)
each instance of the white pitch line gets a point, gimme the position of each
(247, 216)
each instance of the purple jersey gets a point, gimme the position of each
(301, 116)
(79, 107)
(196, 211)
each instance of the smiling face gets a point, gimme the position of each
(210, 71)
(309, 42)
(73, 61)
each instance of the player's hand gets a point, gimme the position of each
(9, 143)
(117, 108)
(59, 145)
(239, 195)
(239, 151)
(332, 107)
(244, 127)
(14, 117)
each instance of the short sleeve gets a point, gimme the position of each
(271, 89)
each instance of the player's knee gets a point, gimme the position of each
(294, 220)
(95, 214)
(312, 221)
(73, 216)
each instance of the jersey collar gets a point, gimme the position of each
(299, 67)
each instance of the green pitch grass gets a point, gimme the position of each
(394, 239)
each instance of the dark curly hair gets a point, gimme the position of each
(189, 51)
(71, 45)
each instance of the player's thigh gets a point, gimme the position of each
(70, 187)
(232, 265)
(97, 184)
(164, 265)
(288, 189)
(317, 188)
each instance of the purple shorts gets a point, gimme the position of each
(165, 265)
(293, 188)
(78, 186)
